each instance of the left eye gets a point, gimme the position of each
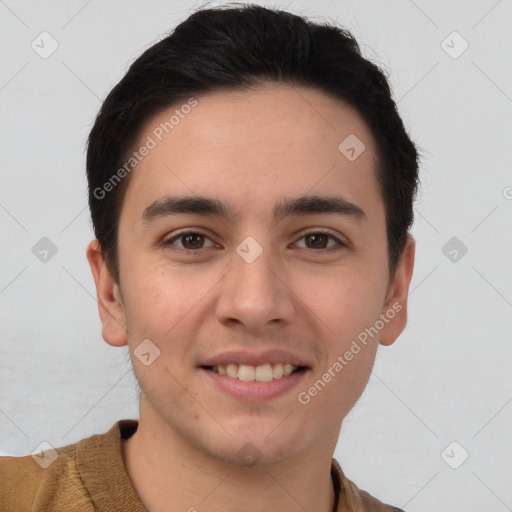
(192, 241)
(320, 240)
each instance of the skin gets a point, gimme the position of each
(249, 149)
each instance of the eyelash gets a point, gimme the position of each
(339, 243)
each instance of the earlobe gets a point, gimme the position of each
(395, 308)
(110, 304)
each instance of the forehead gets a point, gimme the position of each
(253, 146)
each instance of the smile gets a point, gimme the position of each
(261, 373)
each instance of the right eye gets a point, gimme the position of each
(190, 241)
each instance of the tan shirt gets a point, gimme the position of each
(91, 476)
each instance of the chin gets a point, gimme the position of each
(249, 455)
(260, 447)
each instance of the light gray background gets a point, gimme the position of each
(446, 379)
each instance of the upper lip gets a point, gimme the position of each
(254, 358)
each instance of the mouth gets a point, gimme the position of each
(254, 375)
(266, 372)
(255, 383)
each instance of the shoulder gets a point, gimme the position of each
(374, 505)
(87, 476)
(39, 481)
(354, 499)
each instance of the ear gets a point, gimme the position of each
(395, 308)
(110, 304)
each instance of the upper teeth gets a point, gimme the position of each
(262, 373)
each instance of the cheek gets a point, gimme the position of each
(161, 386)
(346, 302)
(348, 308)
(159, 299)
(338, 386)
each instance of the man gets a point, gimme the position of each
(251, 188)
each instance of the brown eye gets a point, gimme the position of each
(316, 240)
(189, 241)
(192, 241)
(319, 240)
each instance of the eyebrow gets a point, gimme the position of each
(208, 206)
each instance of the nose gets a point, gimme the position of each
(255, 295)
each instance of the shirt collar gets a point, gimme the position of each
(99, 460)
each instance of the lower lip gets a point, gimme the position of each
(255, 391)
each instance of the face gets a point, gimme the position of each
(276, 263)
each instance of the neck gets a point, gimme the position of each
(172, 476)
